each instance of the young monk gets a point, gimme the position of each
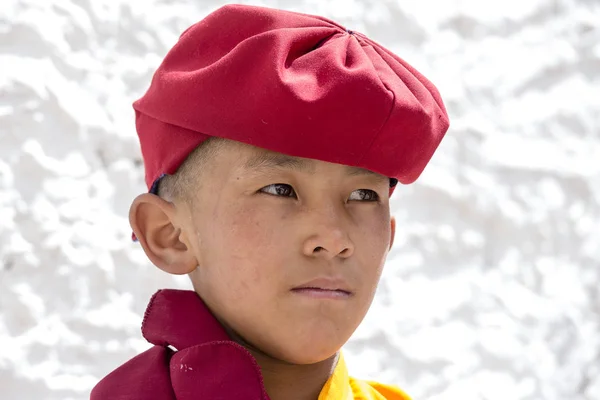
(272, 141)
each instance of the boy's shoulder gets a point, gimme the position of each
(145, 378)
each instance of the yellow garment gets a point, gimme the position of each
(340, 386)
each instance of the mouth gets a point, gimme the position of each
(319, 293)
(324, 288)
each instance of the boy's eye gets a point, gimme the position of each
(279, 189)
(364, 195)
(285, 190)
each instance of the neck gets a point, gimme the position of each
(285, 381)
(291, 381)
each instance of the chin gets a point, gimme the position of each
(307, 354)
(315, 346)
(316, 359)
(307, 359)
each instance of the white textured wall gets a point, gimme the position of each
(491, 291)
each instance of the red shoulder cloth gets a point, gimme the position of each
(206, 365)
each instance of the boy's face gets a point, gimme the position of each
(264, 225)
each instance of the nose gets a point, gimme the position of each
(328, 237)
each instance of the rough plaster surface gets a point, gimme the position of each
(491, 291)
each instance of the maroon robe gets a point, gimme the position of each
(206, 365)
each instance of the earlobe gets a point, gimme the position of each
(392, 231)
(154, 222)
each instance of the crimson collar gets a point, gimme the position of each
(181, 319)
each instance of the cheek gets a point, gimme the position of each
(251, 233)
(374, 241)
(242, 246)
(375, 229)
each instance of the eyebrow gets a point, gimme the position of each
(282, 161)
(279, 161)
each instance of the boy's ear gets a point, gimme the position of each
(154, 223)
(392, 231)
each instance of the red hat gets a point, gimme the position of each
(293, 83)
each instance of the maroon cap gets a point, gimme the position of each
(292, 83)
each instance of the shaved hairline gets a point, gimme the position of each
(182, 184)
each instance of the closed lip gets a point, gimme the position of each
(326, 283)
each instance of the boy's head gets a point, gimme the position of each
(255, 226)
(280, 134)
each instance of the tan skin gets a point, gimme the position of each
(255, 232)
